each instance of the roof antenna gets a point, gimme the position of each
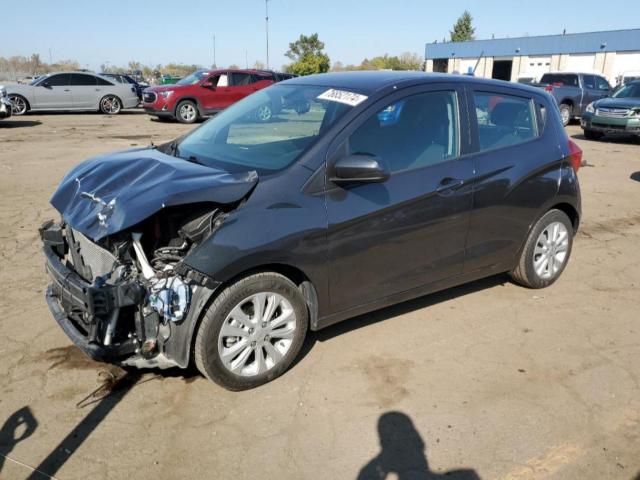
(477, 63)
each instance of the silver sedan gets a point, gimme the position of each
(72, 91)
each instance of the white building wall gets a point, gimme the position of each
(624, 62)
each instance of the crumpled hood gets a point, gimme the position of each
(610, 102)
(110, 193)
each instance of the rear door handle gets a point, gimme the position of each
(447, 184)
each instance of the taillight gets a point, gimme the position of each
(549, 88)
(575, 155)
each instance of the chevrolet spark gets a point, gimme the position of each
(225, 247)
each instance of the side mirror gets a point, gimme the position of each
(208, 85)
(360, 168)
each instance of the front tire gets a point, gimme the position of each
(110, 105)
(19, 104)
(546, 252)
(187, 112)
(252, 331)
(593, 135)
(565, 113)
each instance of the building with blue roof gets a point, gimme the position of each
(614, 54)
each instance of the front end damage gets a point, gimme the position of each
(117, 302)
(119, 287)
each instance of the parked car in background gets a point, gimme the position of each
(5, 104)
(169, 79)
(618, 114)
(226, 246)
(574, 91)
(73, 91)
(127, 80)
(206, 92)
(627, 77)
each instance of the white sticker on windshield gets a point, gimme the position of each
(342, 96)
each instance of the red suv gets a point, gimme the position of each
(205, 92)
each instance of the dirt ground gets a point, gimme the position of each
(489, 380)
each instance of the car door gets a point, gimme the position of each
(215, 93)
(240, 85)
(517, 170)
(53, 92)
(84, 91)
(386, 238)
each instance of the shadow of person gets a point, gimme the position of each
(403, 454)
(18, 427)
(635, 176)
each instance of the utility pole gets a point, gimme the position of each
(215, 65)
(50, 57)
(266, 9)
(246, 58)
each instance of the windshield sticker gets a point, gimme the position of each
(342, 96)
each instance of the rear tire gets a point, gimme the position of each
(546, 252)
(240, 344)
(110, 105)
(565, 113)
(593, 135)
(187, 112)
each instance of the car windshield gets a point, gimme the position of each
(266, 131)
(192, 79)
(631, 90)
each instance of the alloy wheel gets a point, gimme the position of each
(550, 251)
(110, 105)
(257, 334)
(19, 105)
(188, 112)
(264, 113)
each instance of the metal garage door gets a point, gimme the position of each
(625, 63)
(581, 63)
(535, 67)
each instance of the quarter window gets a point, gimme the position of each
(414, 132)
(504, 120)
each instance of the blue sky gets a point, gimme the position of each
(163, 31)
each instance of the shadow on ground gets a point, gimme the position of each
(611, 138)
(402, 454)
(19, 123)
(387, 313)
(635, 176)
(17, 428)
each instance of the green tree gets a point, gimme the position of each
(463, 30)
(308, 56)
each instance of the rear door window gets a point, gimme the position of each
(240, 79)
(504, 120)
(102, 81)
(80, 79)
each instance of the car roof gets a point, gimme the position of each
(369, 81)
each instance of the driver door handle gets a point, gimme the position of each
(448, 184)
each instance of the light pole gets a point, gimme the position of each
(266, 18)
(215, 65)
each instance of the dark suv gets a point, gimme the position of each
(206, 92)
(225, 247)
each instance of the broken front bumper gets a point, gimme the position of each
(80, 307)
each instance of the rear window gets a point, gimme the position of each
(504, 120)
(560, 79)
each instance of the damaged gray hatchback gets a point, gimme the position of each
(224, 247)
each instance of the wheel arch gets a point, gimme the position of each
(570, 211)
(293, 273)
(22, 97)
(190, 98)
